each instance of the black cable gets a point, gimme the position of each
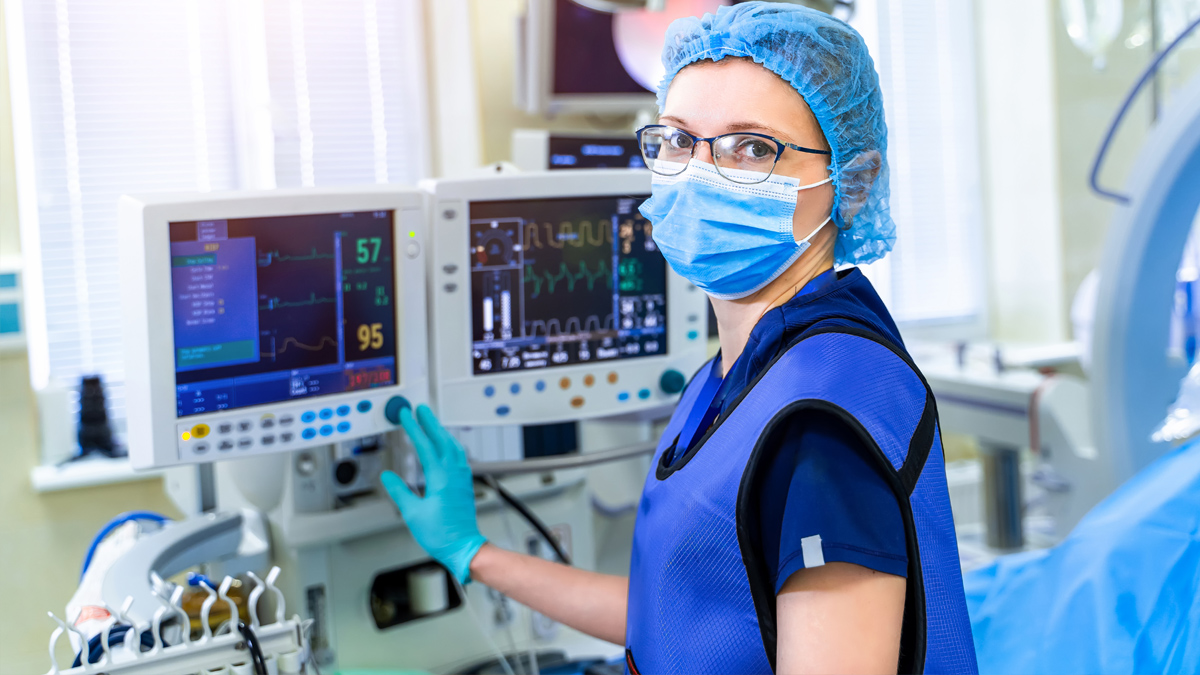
(533, 520)
(116, 636)
(260, 663)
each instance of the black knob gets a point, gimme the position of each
(346, 471)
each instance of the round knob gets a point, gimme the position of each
(394, 405)
(345, 472)
(672, 381)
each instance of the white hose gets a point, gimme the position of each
(532, 666)
(462, 592)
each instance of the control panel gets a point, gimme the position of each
(551, 301)
(233, 435)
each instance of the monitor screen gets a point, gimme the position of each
(583, 152)
(585, 56)
(556, 282)
(281, 308)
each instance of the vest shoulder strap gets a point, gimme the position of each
(925, 433)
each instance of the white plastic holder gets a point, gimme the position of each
(282, 639)
(187, 658)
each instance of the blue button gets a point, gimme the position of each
(644, 394)
(502, 410)
(540, 386)
(515, 388)
(343, 427)
(364, 406)
(326, 414)
(692, 335)
(326, 430)
(308, 434)
(308, 416)
(343, 410)
(489, 391)
(623, 396)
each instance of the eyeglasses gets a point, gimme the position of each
(745, 158)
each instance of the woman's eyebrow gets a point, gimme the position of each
(675, 121)
(755, 126)
(731, 127)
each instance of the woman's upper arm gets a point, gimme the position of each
(839, 618)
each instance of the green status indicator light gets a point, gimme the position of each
(412, 234)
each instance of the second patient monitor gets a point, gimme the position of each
(550, 301)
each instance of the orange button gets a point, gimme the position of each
(577, 402)
(612, 378)
(565, 383)
(589, 380)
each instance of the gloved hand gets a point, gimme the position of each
(443, 521)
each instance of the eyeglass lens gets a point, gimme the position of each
(743, 158)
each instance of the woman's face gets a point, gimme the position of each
(710, 98)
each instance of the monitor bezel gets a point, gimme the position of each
(147, 290)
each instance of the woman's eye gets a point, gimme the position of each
(755, 149)
(679, 141)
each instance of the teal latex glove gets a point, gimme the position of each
(443, 521)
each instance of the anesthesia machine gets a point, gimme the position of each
(274, 338)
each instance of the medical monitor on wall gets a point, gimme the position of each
(270, 321)
(551, 301)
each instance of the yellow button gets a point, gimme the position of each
(589, 380)
(612, 378)
(565, 383)
(577, 402)
(200, 430)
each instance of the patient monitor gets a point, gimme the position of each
(550, 301)
(270, 322)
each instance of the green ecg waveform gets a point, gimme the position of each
(283, 257)
(552, 281)
(276, 303)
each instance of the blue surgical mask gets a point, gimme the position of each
(727, 238)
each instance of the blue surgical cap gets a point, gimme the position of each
(828, 64)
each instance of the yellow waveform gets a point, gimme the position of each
(593, 234)
(308, 348)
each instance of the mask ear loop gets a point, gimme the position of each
(832, 210)
(814, 185)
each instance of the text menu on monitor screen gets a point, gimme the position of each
(567, 281)
(281, 308)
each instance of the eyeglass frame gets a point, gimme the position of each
(780, 146)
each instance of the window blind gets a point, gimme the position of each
(134, 96)
(924, 53)
(123, 96)
(347, 83)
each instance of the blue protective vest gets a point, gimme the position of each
(700, 595)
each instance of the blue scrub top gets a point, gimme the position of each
(820, 478)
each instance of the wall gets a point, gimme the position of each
(1019, 150)
(43, 538)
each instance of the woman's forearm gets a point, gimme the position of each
(586, 601)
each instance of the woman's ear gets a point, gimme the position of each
(858, 177)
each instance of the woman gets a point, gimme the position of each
(796, 516)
